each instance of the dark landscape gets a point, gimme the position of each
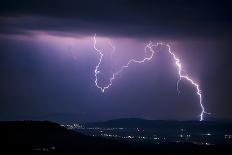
(43, 137)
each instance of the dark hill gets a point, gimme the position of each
(42, 137)
(161, 125)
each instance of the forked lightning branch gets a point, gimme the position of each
(150, 48)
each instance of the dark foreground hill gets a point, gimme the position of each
(42, 137)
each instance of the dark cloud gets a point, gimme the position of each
(120, 17)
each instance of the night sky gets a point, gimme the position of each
(47, 59)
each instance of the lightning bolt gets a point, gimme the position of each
(186, 77)
(149, 46)
(96, 71)
(113, 48)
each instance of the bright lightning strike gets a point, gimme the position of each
(149, 46)
(103, 88)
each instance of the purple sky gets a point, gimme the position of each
(48, 60)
